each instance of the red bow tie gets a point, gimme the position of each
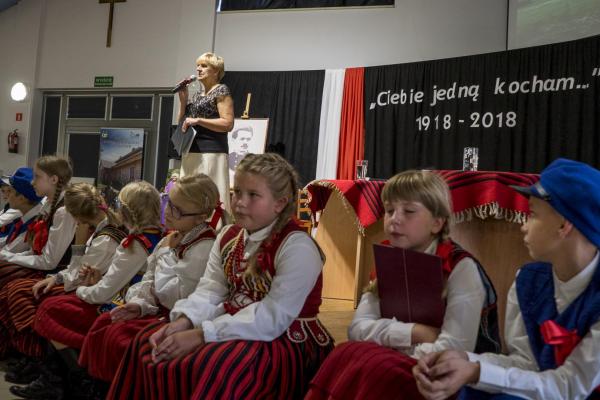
(39, 230)
(131, 237)
(15, 231)
(564, 341)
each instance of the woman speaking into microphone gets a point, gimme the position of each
(210, 112)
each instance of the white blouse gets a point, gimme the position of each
(466, 296)
(168, 278)
(97, 252)
(518, 374)
(60, 237)
(298, 264)
(125, 264)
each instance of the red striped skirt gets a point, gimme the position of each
(9, 272)
(106, 343)
(235, 369)
(367, 371)
(65, 319)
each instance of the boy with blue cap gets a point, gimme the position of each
(22, 198)
(552, 328)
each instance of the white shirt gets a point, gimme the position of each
(466, 297)
(60, 237)
(298, 265)
(97, 252)
(18, 245)
(125, 264)
(168, 278)
(8, 216)
(518, 373)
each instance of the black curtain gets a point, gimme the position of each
(521, 108)
(292, 102)
(232, 5)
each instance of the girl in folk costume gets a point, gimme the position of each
(51, 234)
(249, 330)
(173, 272)
(96, 239)
(140, 212)
(377, 362)
(26, 204)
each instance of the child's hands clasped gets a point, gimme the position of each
(440, 375)
(175, 339)
(125, 312)
(89, 275)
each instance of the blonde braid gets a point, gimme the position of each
(282, 179)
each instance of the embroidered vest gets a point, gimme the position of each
(535, 292)
(488, 336)
(117, 233)
(149, 238)
(7, 227)
(245, 290)
(16, 228)
(206, 234)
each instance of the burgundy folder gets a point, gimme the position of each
(410, 285)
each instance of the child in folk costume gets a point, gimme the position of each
(249, 330)
(173, 272)
(552, 328)
(66, 319)
(7, 214)
(96, 239)
(51, 234)
(26, 206)
(377, 362)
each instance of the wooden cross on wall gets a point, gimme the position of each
(110, 18)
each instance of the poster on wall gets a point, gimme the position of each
(247, 136)
(121, 159)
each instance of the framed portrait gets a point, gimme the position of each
(247, 136)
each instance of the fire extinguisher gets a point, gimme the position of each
(13, 141)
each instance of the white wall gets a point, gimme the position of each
(414, 30)
(19, 29)
(153, 42)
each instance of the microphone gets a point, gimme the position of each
(184, 83)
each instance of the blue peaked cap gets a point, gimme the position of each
(573, 189)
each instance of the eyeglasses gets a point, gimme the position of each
(176, 211)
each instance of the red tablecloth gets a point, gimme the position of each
(474, 193)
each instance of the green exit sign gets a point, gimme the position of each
(103, 81)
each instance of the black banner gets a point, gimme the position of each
(521, 108)
(235, 5)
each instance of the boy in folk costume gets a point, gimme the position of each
(552, 328)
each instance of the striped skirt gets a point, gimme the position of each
(65, 319)
(106, 343)
(17, 312)
(365, 370)
(10, 272)
(235, 369)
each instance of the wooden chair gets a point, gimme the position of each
(303, 213)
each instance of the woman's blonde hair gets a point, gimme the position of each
(60, 167)
(215, 62)
(282, 180)
(140, 205)
(84, 201)
(200, 190)
(425, 187)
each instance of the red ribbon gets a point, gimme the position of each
(39, 230)
(564, 341)
(217, 215)
(131, 237)
(15, 231)
(443, 251)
